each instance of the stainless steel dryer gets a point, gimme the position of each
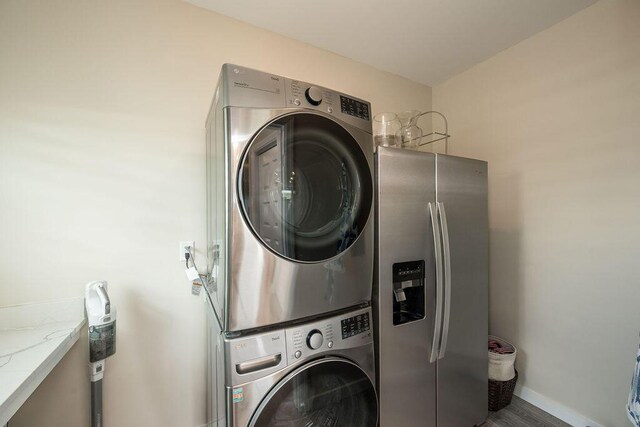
(290, 193)
(319, 373)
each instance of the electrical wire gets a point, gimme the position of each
(193, 261)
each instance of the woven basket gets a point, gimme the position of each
(501, 392)
(502, 366)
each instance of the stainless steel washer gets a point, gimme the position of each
(320, 373)
(290, 191)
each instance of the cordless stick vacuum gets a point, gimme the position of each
(101, 317)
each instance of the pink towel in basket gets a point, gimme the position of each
(496, 347)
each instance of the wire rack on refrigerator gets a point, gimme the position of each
(434, 135)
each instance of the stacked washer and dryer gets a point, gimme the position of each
(290, 254)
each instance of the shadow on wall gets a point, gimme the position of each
(142, 336)
(506, 297)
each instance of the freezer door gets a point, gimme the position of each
(462, 364)
(404, 319)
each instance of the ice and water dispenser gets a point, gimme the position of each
(408, 291)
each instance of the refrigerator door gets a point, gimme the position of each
(462, 364)
(404, 288)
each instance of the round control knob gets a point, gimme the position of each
(313, 95)
(314, 339)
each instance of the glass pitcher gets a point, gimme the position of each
(409, 134)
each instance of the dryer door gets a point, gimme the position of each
(326, 392)
(305, 187)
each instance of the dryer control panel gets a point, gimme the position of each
(344, 107)
(336, 333)
(247, 88)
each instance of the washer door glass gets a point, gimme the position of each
(306, 187)
(328, 392)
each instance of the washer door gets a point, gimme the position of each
(306, 187)
(327, 392)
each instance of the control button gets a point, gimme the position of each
(313, 95)
(314, 339)
(297, 354)
(329, 110)
(296, 101)
(330, 344)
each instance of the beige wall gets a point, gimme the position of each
(558, 118)
(102, 173)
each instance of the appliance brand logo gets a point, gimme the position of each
(241, 84)
(275, 79)
(275, 338)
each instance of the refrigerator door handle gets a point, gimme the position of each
(442, 215)
(437, 330)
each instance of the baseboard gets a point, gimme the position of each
(554, 408)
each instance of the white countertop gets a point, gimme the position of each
(33, 339)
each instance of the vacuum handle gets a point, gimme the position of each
(96, 404)
(104, 298)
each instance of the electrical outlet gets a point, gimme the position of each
(184, 246)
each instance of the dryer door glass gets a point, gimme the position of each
(327, 392)
(306, 187)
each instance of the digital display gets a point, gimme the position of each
(354, 108)
(354, 325)
(410, 270)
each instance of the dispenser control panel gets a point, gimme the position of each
(354, 325)
(411, 270)
(408, 296)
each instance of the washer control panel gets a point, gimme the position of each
(336, 333)
(315, 339)
(355, 325)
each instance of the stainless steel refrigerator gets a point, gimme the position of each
(430, 289)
